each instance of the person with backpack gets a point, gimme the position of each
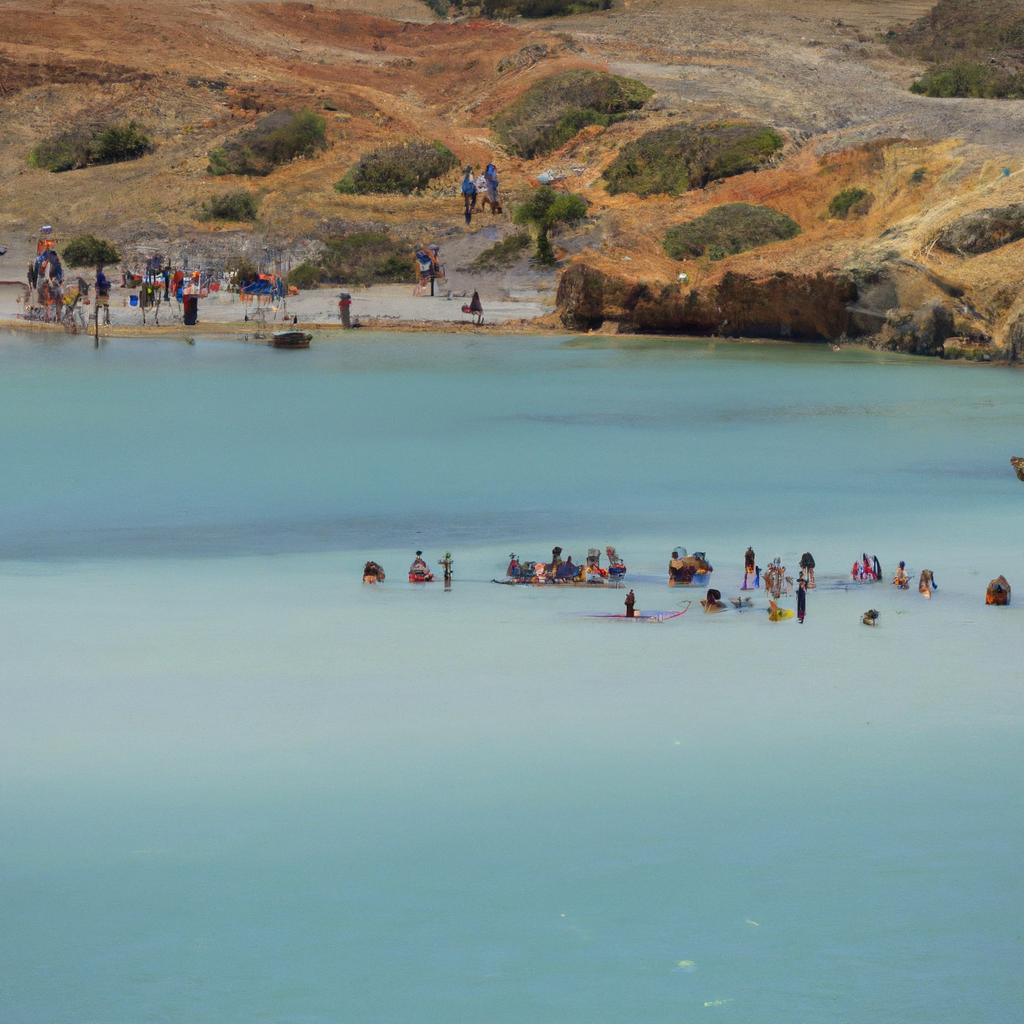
(469, 193)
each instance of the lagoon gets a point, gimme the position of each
(239, 786)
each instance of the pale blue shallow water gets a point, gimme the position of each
(238, 786)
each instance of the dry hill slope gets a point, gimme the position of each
(825, 80)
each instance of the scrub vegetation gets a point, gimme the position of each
(556, 108)
(90, 251)
(237, 205)
(96, 144)
(405, 168)
(358, 258)
(850, 202)
(975, 47)
(276, 139)
(546, 210)
(512, 8)
(672, 160)
(727, 230)
(504, 253)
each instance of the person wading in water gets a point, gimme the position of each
(631, 605)
(801, 599)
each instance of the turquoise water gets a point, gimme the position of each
(238, 786)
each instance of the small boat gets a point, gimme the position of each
(291, 339)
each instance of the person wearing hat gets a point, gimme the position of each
(418, 567)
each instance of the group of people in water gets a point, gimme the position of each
(565, 570)
(685, 569)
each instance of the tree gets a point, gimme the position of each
(545, 210)
(90, 251)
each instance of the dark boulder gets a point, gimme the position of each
(983, 230)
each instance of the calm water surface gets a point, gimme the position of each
(236, 786)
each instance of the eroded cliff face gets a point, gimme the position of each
(896, 306)
(781, 305)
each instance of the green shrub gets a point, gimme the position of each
(546, 209)
(504, 253)
(727, 230)
(119, 142)
(554, 109)
(242, 267)
(88, 145)
(90, 251)
(276, 139)
(230, 206)
(856, 201)
(918, 176)
(540, 8)
(680, 157)
(357, 258)
(970, 79)
(512, 8)
(305, 275)
(404, 168)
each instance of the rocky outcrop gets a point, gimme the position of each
(1013, 346)
(798, 306)
(983, 231)
(923, 332)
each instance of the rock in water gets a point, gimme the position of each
(1018, 464)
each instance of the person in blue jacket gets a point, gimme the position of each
(469, 194)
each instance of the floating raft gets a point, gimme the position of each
(604, 583)
(643, 616)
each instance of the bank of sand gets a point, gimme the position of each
(391, 306)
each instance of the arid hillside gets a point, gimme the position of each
(877, 180)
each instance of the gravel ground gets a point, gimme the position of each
(801, 71)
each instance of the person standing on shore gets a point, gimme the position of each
(801, 599)
(102, 295)
(631, 605)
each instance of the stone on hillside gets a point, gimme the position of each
(983, 230)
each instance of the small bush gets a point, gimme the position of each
(970, 79)
(727, 230)
(117, 143)
(856, 201)
(504, 253)
(85, 146)
(522, 8)
(367, 257)
(276, 139)
(545, 210)
(918, 176)
(540, 8)
(242, 267)
(554, 109)
(672, 160)
(305, 275)
(403, 169)
(230, 206)
(90, 251)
